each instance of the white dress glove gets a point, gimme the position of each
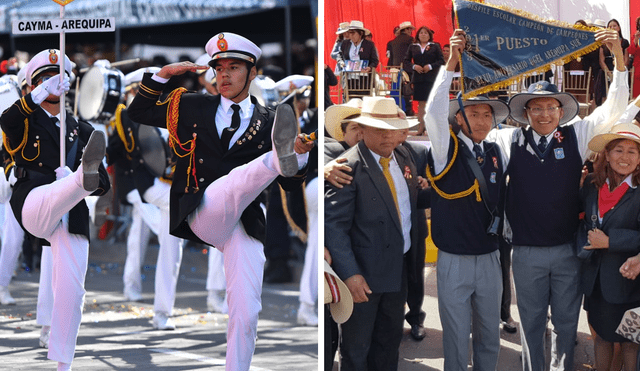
(50, 87)
(102, 63)
(62, 172)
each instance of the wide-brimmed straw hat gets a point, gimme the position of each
(383, 113)
(543, 89)
(342, 28)
(406, 24)
(334, 115)
(620, 131)
(500, 108)
(356, 25)
(337, 295)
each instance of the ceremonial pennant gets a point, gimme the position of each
(504, 44)
(62, 2)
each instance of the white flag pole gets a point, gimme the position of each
(63, 122)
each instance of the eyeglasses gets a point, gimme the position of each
(537, 111)
(45, 78)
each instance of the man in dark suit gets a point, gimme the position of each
(48, 199)
(225, 160)
(370, 228)
(397, 51)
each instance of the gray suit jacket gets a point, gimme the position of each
(362, 228)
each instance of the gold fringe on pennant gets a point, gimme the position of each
(560, 61)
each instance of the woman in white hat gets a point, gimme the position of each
(611, 230)
(358, 48)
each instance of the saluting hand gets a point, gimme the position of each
(359, 288)
(175, 69)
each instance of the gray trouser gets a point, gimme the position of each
(470, 289)
(543, 277)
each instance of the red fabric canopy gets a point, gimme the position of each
(381, 17)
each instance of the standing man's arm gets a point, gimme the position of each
(339, 213)
(437, 109)
(605, 116)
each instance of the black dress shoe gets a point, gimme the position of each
(418, 332)
(510, 326)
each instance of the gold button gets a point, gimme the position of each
(201, 160)
(40, 164)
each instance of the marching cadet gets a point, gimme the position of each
(48, 199)
(148, 192)
(225, 160)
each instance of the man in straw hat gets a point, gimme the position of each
(230, 149)
(466, 173)
(397, 50)
(544, 159)
(370, 231)
(48, 200)
(342, 35)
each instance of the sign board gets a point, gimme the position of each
(67, 25)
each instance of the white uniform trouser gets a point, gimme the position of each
(309, 278)
(215, 275)
(45, 288)
(217, 222)
(12, 237)
(144, 219)
(170, 254)
(43, 215)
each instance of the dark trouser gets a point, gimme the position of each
(505, 262)
(330, 339)
(415, 291)
(371, 337)
(277, 243)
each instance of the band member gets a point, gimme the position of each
(48, 199)
(149, 192)
(225, 160)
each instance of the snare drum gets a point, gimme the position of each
(101, 90)
(9, 92)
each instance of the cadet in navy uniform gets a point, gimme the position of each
(48, 200)
(463, 209)
(224, 145)
(544, 161)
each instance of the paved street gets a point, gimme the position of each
(428, 355)
(116, 334)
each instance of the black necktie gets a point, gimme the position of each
(227, 133)
(542, 144)
(479, 154)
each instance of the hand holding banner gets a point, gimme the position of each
(503, 44)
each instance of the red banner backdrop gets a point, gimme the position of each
(380, 17)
